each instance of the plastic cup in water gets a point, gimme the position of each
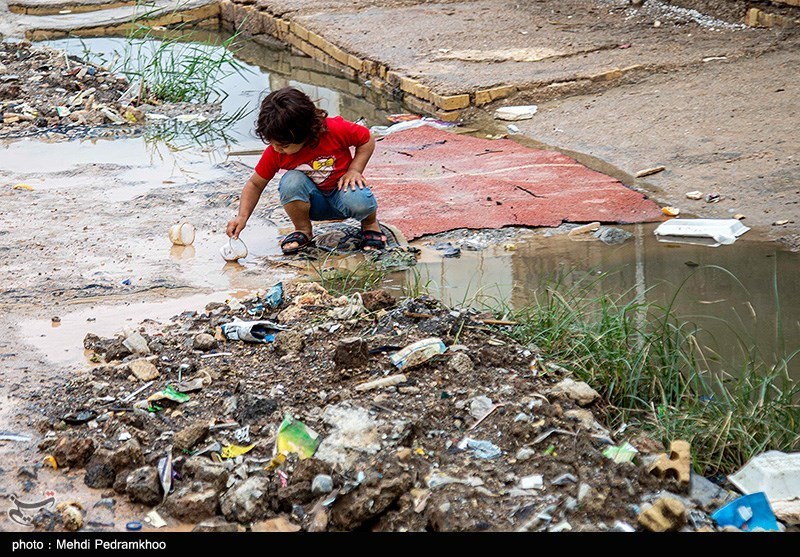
(181, 234)
(233, 250)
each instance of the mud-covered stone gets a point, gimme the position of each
(375, 300)
(143, 486)
(206, 471)
(128, 456)
(351, 352)
(460, 363)
(204, 342)
(70, 452)
(99, 475)
(247, 501)
(218, 525)
(189, 436)
(193, 503)
(369, 501)
(289, 342)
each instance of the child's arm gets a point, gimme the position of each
(353, 177)
(251, 193)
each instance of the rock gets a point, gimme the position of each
(612, 236)
(353, 509)
(27, 472)
(460, 363)
(296, 493)
(121, 481)
(479, 406)
(128, 456)
(351, 352)
(524, 454)
(137, 344)
(677, 465)
(319, 521)
(578, 391)
(116, 351)
(70, 452)
(584, 417)
(143, 370)
(787, 511)
(218, 525)
(322, 484)
(375, 300)
(204, 470)
(193, 503)
(308, 469)
(143, 486)
(99, 475)
(646, 444)
(289, 342)
(71, 515)
(247, 501)
(189, 436)
(354, 432)
(591, 498)
(204, 342)
(665, 515)
(708, 495)
(279, 524)
(253, 408)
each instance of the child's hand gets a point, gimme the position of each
(235, 226)
(353, 179)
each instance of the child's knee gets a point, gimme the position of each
(293, 187)
(360, 203)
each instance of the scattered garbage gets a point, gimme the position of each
(584, 229)
(133, 526)
(169, 393)
(713, 197)
(775, 473)
(381, 131)
(418, 353)
(718, 231)
(242, 435)
(671, 211)
(447, 249)
(251, 331)
(353, 307)
(232, 451)
(9, 436)
(80, 416)
(749, 512)
(438, 479)
(165, 472)
(623, 453)
(182, 234)
(480, 449)
(233, 250)
(274, 296)
(535, 481)
(295, 437)
(155, 520)
(382, 382)
(515, 113)
(694, 195)
(650, 171)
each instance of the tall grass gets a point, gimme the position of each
(654, 372)
(174, 68)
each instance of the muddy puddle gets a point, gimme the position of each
(741, 295)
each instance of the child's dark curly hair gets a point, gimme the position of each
(289, 116)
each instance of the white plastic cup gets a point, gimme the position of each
(233, 250)
(181, 234)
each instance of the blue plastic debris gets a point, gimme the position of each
(275, 296)
(134, 525)
(126, 282)
(747, 513)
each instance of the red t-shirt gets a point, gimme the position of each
(326, 162)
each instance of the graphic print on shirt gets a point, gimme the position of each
(319, 169)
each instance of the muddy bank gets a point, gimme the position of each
(485, 436)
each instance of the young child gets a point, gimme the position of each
(324, 181)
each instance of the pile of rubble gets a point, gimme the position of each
(324, 422)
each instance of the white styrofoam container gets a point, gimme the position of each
(775, 473)
(721, 231)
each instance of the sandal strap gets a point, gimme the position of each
(296, 236)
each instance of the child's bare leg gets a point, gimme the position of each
(298, 212)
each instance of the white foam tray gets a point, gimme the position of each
(721, 231)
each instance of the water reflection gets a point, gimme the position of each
(742, 296)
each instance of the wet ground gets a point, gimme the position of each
(88, 244)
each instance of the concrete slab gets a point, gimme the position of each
(429, 181)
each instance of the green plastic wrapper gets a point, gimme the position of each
(295, 437)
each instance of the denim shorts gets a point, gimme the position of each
(332, 205)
